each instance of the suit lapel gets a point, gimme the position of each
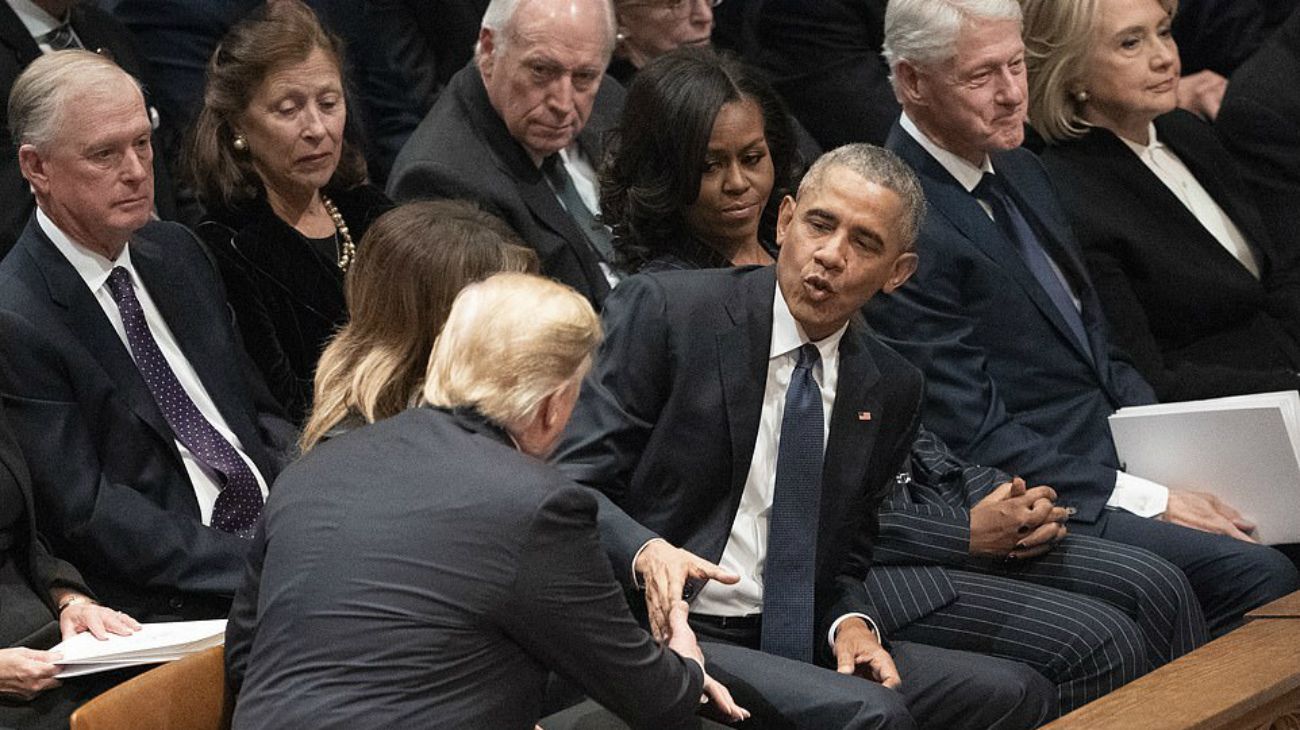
(83, 316)
(855, 420)
(200, 339)
(743, 351)
(949, 199)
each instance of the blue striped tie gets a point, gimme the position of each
(789, 572)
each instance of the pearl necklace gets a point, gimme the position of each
(348, 250)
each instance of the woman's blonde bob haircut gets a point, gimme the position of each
(510, 341)
(1059, 37)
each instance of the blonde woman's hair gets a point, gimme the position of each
(412, 263)
(1059, 35)
(510, 341)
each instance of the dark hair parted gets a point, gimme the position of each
(654, 159)
(275, 36)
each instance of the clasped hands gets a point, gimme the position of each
(1015, 522)
(25, 673)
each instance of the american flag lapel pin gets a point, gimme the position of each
(864, 415)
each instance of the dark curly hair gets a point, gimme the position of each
(654, 159)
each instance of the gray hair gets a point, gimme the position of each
(38, 101)
(924, 32)
(500, 14)
(881, 167)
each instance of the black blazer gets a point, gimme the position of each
(287, 297)
(1197, 324)
(1007, 384)
(463, 149)
(29, 553)
(421, 572)
(100, 32)
(1259, 123)
(666, 423)
(112, 494)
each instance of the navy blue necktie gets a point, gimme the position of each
(240, 502)
(789, 571)
(1013, 224)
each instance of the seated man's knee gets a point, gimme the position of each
(1016, 696)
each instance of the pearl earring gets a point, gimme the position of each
(1081, 96)
(240, 143)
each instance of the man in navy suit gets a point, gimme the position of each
(1002, 318)
(150, 439)
(746, 426)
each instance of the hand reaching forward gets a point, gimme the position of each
(664, 571)
(858, 651)
(1015, 522)
(1203, 511)
(683, 642)
(25, 673)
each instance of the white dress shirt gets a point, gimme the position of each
(1171, 171)
(94, 270)
(746, 549)
(1142, 497)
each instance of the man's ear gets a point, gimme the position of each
(33, 167)
(904, 267)
(486, 51)
(909, 84)
(784, 219)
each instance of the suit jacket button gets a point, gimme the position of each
(176, 602)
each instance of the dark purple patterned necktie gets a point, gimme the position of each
(240, 502)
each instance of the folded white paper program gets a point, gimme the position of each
(1243, 449)
(152, 644)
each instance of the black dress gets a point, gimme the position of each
(286, 293)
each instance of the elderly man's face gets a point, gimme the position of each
(975, 102)
(840, 244)
(95, 179)
(544, 80)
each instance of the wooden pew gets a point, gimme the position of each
(1248, 679)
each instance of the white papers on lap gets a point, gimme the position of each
(1243, 449)
(152, 644)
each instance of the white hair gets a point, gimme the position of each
(500, 14)
(924, 32)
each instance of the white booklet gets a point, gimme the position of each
(1244, 449)
(152, 644)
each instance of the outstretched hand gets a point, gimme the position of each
(664, 571)
(858, 651)
(683, 642)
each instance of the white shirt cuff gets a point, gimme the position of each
(835, 627)
(636, 579)
(1142, 497)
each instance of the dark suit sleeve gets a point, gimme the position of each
(569, 612)
(108, 526)
(620, 403)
